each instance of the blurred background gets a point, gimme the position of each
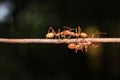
(32, 18)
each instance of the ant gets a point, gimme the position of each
(66, 33)
(52, 34)
(79, 46)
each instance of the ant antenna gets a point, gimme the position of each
(68, 28)
(50, 28)
(79, 30)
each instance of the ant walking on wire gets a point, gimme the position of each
(67, 33)
(79, 46)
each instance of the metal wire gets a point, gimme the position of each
(101, 40)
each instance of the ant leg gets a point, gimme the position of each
(76, 33)
(97, 34)
(92, 36)
(79, 30)
(81, 46)
(100, 34)
(86, 47)
(69, 37)
(96, 44)
(58, 34)
(64, 36)
(76, 50)
(52, 30)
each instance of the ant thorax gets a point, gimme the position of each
(76, 35)
(66, 33)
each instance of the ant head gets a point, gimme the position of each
(50, 35)
(71, 45)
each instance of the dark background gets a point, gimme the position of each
(32, 18)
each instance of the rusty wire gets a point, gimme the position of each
(28, 40)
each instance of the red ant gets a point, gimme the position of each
(66, 33)
(79, 46)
